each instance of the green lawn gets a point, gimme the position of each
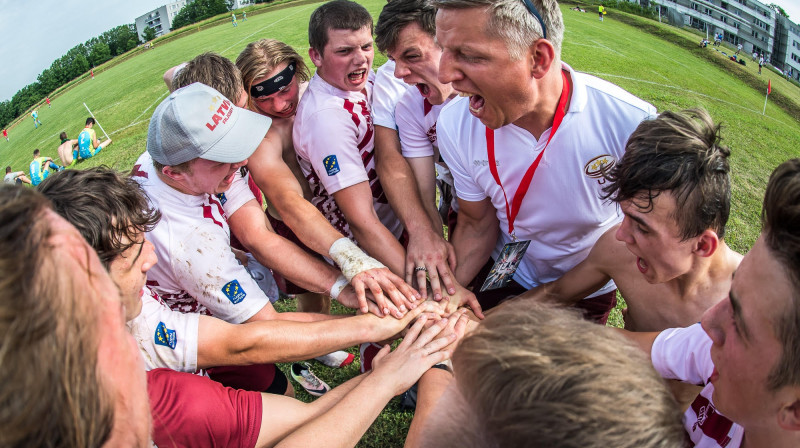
(660, 64)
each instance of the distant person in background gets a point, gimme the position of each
(35, 116)
(755, 56)
(5, 134)
(88, 146)
(601, 10)
(39, 167)
(68, 150)
(91, 72)
(244, 16)
(233, 19)
(16, 177)
(47, 100)
(760, 63)
(738, 49)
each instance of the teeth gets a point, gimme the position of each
(465, 94)
(412, 84)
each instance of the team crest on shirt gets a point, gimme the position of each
(222, 198)
(234, 291)
(331, 165)
(597, 167)
(166, 337)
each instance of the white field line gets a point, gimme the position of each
(659, 74)
(299, 10)
(684, 89)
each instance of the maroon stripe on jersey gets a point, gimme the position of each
(711, 423)
(426, 106)
(368, 135)
(213, 200)
(349, 106)
(137, 171)
(207, 213)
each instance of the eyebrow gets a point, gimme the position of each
(737, 314)
(637, 219)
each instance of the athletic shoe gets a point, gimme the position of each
(367, 352)
(313, 385)
(337, 359)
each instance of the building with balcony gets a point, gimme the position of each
(787, 47)
(160, 19)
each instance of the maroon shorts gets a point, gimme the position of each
(191, 410)
(257, 377)
(595, 309)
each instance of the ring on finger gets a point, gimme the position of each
(420, 269)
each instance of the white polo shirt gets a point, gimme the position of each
(387, 92)
(334, 140)
(562, 213)
(166, 338)
(196, 270)
(684, 354)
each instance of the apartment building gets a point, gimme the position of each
(160, 19)
(787, 47)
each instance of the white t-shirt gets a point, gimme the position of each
(684, 354)
(416, 125)
(562, 213)
(165, 337)
(387, 92)
(196, 270)
(334, 140)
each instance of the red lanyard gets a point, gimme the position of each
(513, 210)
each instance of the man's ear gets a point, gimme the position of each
(789, 414)
(315, 56)
(541, 55)
(706, 243)
(171, 173)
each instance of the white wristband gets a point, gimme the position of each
(350, 259)
(338, 286)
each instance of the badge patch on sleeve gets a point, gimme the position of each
(331, 165)
(222, 198)
(234, 291)
(166, 337)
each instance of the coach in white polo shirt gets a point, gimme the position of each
(528, 146)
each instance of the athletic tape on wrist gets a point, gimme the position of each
(350, 259)
(338, 286)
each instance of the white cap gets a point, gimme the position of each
(197, 121)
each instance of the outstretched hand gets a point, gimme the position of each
(388, 291)
(430, 257)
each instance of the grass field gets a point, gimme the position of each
(658, 63)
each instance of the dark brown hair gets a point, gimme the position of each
(679, 152)
(780, 218)
(108, 209)
(336, 15)
(397, 14)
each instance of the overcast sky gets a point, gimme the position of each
(35, 33)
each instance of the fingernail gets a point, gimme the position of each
(438, 297)
(452, 290)
(412, 306)
(403, 309)
(444, 320)
(386, 310)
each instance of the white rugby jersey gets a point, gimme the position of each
(684, 354)
(166, 338)
(387, 92)
(562, 213)
(334, 140)
(196, 270)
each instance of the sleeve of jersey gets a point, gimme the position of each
(237, 195)
(456, 158)
(413, 138)
(683, 354)
(209, 272)
(386, 93)
(332, 149)
(165, 337)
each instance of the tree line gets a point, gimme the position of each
(76, 62)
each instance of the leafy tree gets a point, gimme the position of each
(100, 53)
(79, 66)
(149, 34)
(198, 10)
(132, 43)
(779, 10)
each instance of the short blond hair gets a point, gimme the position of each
(538, 376)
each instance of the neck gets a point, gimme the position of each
(771, 437)
(707, 271)
(543, 109)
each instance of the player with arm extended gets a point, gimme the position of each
(673, 187)
(88, 145)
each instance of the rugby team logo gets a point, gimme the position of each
(597, 167)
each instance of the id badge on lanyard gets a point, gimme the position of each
(511, 256)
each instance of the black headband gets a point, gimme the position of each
(274, 84)
(532, 9)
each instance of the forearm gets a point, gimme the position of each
(473, 244)
(378, 242)
(306, 221)
(347, 420)
(429, 390)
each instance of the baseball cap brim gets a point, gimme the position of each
(241, 140)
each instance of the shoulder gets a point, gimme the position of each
(600, 90)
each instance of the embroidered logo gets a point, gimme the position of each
(331, 165)
(166, 337)
(596, 167)
(221, 114)
(222, 198)
(234, 291)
